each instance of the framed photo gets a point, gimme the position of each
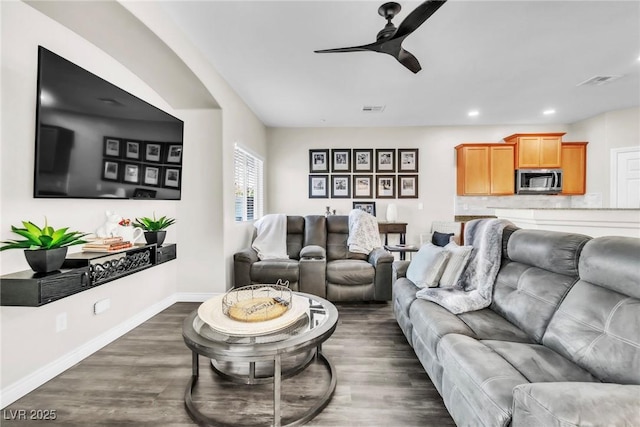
(132, 150)
(172, 177)
(152, 152)
(318, 186)
(131, 173)
(407, 160)
(112, 147)
(362, 160)
(368, 207)
(151, 176)
(110, 170)
(386, 186)
(340, 186)
(318, 161)
(386, 160)
(407, 186)
(363, 186)
(174, 153)
(341, 160)
(144, 193)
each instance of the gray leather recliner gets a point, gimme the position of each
(320, 263)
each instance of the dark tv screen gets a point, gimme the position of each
(95, 140)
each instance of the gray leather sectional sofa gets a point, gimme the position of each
(559, 345)
(320, 263)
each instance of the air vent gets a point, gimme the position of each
(373, 108)
(599, 80)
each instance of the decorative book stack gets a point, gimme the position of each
(106, 244)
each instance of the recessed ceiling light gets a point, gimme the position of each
(473, 113)
(549, 112)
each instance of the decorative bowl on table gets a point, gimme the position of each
(257, 303)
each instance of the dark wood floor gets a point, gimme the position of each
(140, 380)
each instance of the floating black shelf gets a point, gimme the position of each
(80, 271)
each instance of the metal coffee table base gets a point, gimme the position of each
(278, 375)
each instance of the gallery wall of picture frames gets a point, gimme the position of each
(363, 173)
(147, 163)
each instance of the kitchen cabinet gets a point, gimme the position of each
(485, 169)
(574, 168)
(536, 150)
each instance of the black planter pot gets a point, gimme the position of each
(156, 237)
(45, 260)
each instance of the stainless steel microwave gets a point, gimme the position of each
(538, 181)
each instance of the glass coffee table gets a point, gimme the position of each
(287, 352)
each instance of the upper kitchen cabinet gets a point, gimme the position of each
(574, 168)
(485, 169)
(540, 150)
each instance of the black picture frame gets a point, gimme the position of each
(110, 170)
(144, 193)
(112, 147)
(131, 173)
(362, 187)
(153, 152)
(385, 160)
(132, 150)
(341, 160)
(171, 178)
(363, 160)
(152, 175)
(319, 161)
(319, 186)
(385, 186)
(174, 154)
(407, 160)
(369, 207)
(407, 186)
(340, 186)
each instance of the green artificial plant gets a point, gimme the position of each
(43, 238)
(154, 224)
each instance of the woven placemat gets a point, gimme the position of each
(211, 313)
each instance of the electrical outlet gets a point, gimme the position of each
(102, 306)
(61, 322)
(420, 206)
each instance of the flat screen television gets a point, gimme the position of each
(95, 140)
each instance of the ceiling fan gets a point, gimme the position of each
(390, 38)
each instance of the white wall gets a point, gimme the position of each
(205, 213)
(289, 167)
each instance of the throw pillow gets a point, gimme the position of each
(458, 258)
(427, 265)
(441, 239)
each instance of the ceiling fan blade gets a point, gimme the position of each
(409, 61)
(372, 46)
(417, 17)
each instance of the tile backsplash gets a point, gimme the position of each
(484, 205)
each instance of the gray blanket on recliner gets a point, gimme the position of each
(474, 290)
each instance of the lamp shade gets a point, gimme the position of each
(392, 212)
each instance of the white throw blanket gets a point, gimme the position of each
(475, 288)
(271, 238)
(364, 234)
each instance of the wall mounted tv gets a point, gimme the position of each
(95, 140)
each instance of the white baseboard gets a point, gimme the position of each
(194, 297)
(15, 391)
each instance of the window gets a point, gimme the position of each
(248, 176)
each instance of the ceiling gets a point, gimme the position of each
(509, 60)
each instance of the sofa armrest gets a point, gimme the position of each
(242, 261)
(381, 261)
(313, 251)
(572, 404)
(379, 256)
(400, 269)
(313, 271)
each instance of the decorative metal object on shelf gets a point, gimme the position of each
(257, 303)
(120, 265)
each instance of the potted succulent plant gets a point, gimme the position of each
(154, 229)
(44, 248)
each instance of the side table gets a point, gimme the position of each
(401, 249)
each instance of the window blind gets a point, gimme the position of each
(248, 176)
